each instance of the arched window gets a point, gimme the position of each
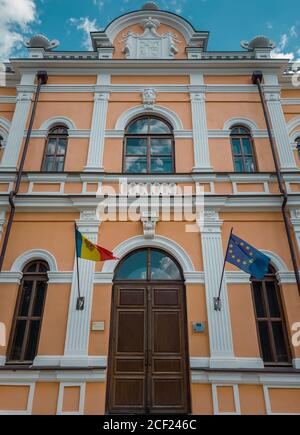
(149, 147)
(242, 150)
(1, 142)
(148, 265)
(56, 148)
(270, 319)
(28, 314)
(298, 146)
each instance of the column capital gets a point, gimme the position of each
(210, 222)
(89, 221)
(102, 97)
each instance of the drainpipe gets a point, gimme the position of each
(42, 78)
(257, 78)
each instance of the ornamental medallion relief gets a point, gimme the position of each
(150, 45)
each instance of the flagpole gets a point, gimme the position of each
(80, 299)
(217, 301)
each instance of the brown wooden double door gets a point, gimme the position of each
(148, 364)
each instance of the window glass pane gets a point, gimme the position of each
(243, 130)
(250, 165)
(33, 336)
(163, 267)
(43, 268)
(159, 127)
(235, 131)
(272, 299)
(32, 268)
(257, 292)
(136, 147)
(59, 164)
(238, 164)
(39, 298)
(281, 351)
(62, 145)
(48, 167)
(1, 141)
(25, 298)
(265, 341)
(236, 147)
(136, 165)
(134, 267)
(139, 127)
(161, 147)
(247, 147)
(18, 340)
(162, 165)
(51, 146)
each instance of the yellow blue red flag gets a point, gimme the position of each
(87, 250)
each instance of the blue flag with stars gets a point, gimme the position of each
(247, 258)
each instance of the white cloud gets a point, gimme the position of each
(15, 18)
(86, 25)
(279, 51)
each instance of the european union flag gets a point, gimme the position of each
(247, 258)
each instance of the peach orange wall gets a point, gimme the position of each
(219, 112)
(72, 80)
(119, 44)
(45, 398)
(98, 344)
(54, 325)
(7, 111)
(243, 321)
(227, 80)
(9, 294)
(150, 80)
(196, 312)
(79, 109)
(202, 402)
(50, 232)
(252, 400)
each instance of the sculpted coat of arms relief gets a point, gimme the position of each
(150, 45)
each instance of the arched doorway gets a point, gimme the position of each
(148, 370)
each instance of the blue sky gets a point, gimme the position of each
(229, 21)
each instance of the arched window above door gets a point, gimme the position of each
(149, 147)
(148, 265)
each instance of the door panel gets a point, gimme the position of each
(148, 367)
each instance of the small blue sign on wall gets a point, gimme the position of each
(198, 327)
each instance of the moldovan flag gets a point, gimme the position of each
(89, 251)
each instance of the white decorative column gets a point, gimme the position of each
(219, 325)
(200, 131)
(295, 220)
(78, 329)
(18, 125)
(285, 151)
(97, 138)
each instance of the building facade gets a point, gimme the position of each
(151, 107)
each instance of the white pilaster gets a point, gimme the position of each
(295, 214)
(200, 131)
(78, 329)
(219, 325)
(18, 125)
(97, 138)
(285, 151)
